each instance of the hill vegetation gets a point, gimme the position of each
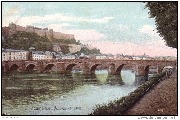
(24, 40)
(87, 51)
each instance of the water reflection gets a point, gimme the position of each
(74, 89)
(22, 85)
(115, 79)
(28, 85)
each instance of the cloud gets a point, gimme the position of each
(86, 35)
(150, 31)
(83, 35)
(30, 20)
(123, 27)
(101, 20)
(60, 27)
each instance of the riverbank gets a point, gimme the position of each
(161, 100)
(123, 105)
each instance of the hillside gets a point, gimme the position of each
(22, 40)
(87, 51)
(25, 40)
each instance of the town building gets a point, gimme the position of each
(101, 57)
(68, 56)
(110, 56)
(40, 55)
(56, 47)
(73, 48)
(118, 56)
(11, 55)
(83, 56)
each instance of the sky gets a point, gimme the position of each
(112, 27)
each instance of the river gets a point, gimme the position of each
(54, 94)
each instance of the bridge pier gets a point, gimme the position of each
(141, 74)
(40, 67)
(86, 69)
(61, 68)
(114, 74)
(115, 79)
(160, 68)
(22, 67)
(112, 69)
(5, 68)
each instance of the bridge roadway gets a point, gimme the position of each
(88, 66)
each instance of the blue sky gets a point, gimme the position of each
(113, 27)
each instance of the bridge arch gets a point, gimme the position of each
(118, 70)
(93, 68)
(13, 67)
(70, 67)
(49, 67)
(30, 67)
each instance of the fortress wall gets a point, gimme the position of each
(20, 28)
(40, 32)
(69, 36)
(49, 34)
(31, 30)
(60, 35)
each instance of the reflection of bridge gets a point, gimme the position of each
(88, 66)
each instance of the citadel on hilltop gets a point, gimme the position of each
(17, 37)
(49, 33)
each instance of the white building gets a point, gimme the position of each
(56, 47)
(73, 48)
(68, 57)
(110, 56)
(101, 57)
(40, 55)
(83, 56)
(136, 58)
(118, 57)
(11, 54)
(6, 56)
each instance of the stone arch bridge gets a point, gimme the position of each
(88, 66)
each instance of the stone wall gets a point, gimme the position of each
(41, 32)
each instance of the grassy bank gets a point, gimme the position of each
(119, 107)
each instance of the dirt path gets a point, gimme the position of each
(161, 100)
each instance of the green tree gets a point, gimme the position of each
(165, 15)
(25, 40)
(87, 51)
